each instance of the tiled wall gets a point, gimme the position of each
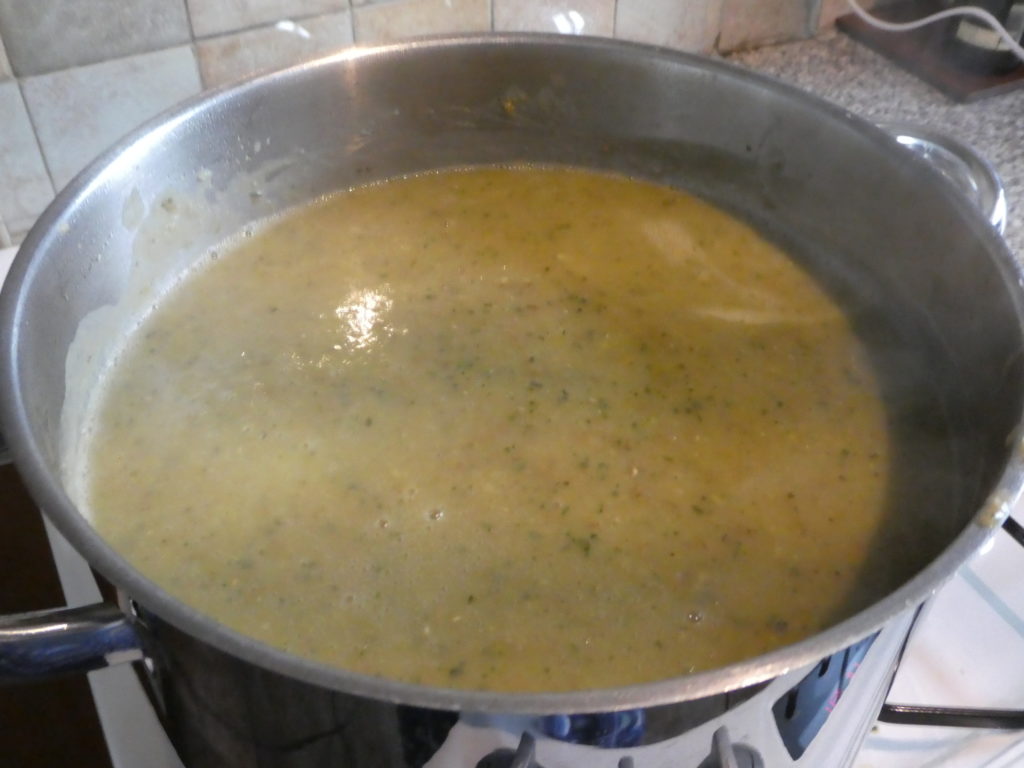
(75, 75)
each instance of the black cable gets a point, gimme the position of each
(952, 717)
(1015, 529)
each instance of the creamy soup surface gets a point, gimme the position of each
(524, 429)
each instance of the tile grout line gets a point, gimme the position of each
(192, 46)
(270, 24)
(188, 20)
(351, 20)
(35, 136)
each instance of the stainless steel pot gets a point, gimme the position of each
(938, 295)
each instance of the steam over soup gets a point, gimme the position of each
(526, 429)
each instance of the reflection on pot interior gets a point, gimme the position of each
(518, 429)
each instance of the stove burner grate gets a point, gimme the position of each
(959, 717)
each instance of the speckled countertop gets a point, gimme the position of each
(845, 72)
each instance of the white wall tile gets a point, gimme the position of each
(748, 23)
(409, 18)
(232, 57)
(579, 17)
(80, 112)
(47, 35)
(25, 188)
(690, 25)
(214, 17)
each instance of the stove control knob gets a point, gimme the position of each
(725, 754)
(522, 757)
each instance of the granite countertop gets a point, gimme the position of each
(845, 72)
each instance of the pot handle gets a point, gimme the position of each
(66, 641)
(959, 163)
(5, 452)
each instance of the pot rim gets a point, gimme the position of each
(32, 464)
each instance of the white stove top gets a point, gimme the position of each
(967, 650)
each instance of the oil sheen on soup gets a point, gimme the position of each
(514, 429)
